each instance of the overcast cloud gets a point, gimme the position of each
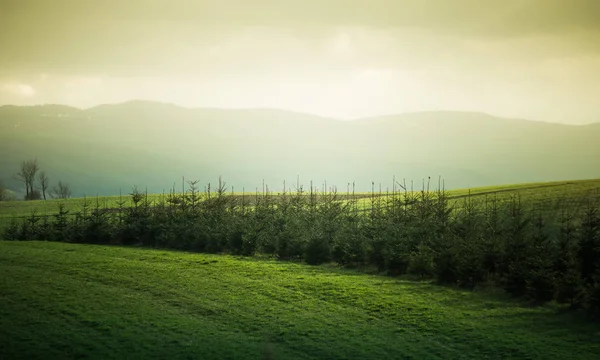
(537, 59)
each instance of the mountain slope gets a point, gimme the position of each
(111, 147)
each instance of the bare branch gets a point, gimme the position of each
(26, 174)
(62, 191)
(43, 182)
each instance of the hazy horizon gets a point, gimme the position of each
(536, 59)
(375, 116)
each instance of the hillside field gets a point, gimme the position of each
(81, 301)
(550, 197)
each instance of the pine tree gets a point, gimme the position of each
(589, 244)
(569, 287)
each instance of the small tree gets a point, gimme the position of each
(541, 279)
(592, 300)
(43, 182)
(3, 192)
(569, 286)
(514, 266)
(62, 191)
(421, 261)
(26, 174)
(589, 243)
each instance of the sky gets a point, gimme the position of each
(532, 59)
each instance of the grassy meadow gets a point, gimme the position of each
(66, 301)
(551, 196)
(475, 273)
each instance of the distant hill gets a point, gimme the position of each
(111, 147)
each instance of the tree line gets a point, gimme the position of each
(479, 243)
(37, 183)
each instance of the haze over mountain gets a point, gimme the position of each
(212, 71)
(533, 59)
(108, 148)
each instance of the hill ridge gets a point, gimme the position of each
(110, 148)
(139, 103)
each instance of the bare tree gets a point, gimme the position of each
(44, 182)
(3, 192)
(62, 191)
(26, 174)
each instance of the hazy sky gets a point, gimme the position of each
(536, 59)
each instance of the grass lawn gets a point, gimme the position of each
(66, 301)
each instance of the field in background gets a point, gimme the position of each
(547, 197)
(72, 301)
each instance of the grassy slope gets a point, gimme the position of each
(68, 301)
(528, 191)
(546, 194)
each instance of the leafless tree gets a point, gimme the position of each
(26, 174)
(62, 191)
(3, 192)
(44, 182)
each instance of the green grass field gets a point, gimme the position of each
(547, 195)
(65, 301)
(538, 192)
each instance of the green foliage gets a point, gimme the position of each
(318, 250)
(421, 261)
(350, 248)
(592, 295)
(13, 230)
(514, 266)
(569, 283)
(466, 243)
(541, 280)
(589, 244)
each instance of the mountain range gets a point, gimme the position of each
(109, 148)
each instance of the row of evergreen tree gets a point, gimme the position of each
(496, 242)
